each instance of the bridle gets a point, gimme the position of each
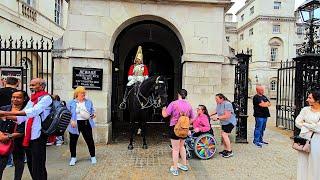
(154, 100)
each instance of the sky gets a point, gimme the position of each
(239, 3)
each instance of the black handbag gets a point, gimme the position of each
(300, 140)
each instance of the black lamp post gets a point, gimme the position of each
(310, 14)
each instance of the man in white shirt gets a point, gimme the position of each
(37, 109)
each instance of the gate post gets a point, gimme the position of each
(241, 96)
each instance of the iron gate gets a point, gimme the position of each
(34, 58)
(295, 81)
(285, 95)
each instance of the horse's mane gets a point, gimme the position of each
(147, 84)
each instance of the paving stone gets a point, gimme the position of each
(114, 161)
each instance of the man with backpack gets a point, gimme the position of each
(37, 109)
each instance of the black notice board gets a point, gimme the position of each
(90, 78)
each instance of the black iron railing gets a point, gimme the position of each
(27, 59)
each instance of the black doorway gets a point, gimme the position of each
(161, 53)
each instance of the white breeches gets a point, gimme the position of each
(134, 79)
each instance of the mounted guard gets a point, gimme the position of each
(137, 73)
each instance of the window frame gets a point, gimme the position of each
(273, 85)
(242, 17)
(274, 54)
(58, 14)
(299, 31)
(276, 5)
(252, 10)
(30, 2)
(251, 32)
(276, 30)
(228, 38)
(241, 37)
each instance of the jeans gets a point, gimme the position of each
(261, 123)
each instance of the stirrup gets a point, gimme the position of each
(123, 105)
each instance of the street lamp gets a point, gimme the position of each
(310, 14)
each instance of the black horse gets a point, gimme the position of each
(141, 98)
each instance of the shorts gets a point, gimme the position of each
(172, 135)
(227, 128)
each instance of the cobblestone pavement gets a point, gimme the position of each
(276, 160)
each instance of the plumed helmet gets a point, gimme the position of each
(139, 55)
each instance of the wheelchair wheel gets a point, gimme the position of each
(205, 146)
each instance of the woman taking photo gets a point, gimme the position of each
(174, 110)
(10, 130)
(309, 122)
(81, 122)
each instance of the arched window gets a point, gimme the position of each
(273, 85)
(276, 47)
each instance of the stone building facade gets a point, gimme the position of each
(33, 18)
(26, 25)
(270, 32)
(183, 39)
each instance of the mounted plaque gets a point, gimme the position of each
(90, 78)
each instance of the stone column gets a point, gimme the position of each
(85, 44)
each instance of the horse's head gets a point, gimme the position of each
(160, 90)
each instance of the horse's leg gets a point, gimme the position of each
(132, 128)
(143, 126)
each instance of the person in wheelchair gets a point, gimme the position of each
(201, 141)
(201, 124)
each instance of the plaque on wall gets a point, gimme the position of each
(90, 78)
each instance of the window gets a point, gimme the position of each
(274, 54)
(276, 5)
(299, 31)
(242, 17)
(251, 32)
(252, 10)
(273, 85)
(241, 36)
(276, 29)
(58, 12)
(228, 38)
(30, 2)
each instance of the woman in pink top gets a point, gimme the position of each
(174, 109)
(201, 123)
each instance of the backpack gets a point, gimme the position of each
(181, 129)
(57, 121)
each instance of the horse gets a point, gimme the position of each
(142, 97)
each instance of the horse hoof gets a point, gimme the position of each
(130, 147)
(145, 146)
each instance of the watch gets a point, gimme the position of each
(10, 136)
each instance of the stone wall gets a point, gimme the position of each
(93, 27)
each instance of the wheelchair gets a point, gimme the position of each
(203, 146)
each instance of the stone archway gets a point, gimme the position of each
(162, 54)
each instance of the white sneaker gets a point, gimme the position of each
(73, 161)
(93, 160)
